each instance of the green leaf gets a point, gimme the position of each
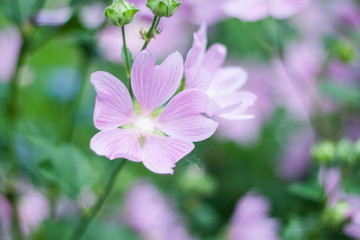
(340, 93)
(65, 165)
(309, 191)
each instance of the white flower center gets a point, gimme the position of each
(144, 127)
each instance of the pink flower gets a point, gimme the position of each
(250, 220)
(92, 16)
(151, 215)
(5, 218)
(331, 181)
(247, 132)
(203, 71)
(296, 158)
(10, 44)
(296, 78)
(138, 134)
(199, 11)
(254, 10)
(33, 209)
(53, 17)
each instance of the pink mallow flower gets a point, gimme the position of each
(33, 209)
(254, 10)
(142, 134)
(330, 179)
(10, 44)
(151, 215)
(250, 220)
(203, 70)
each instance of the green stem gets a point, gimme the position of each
(85, 221)
(149, 35)
(11, 195)
(127, 61)
(12, 111)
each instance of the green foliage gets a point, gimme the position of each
(65, 165)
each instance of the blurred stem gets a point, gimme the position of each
(12, 111)
(127, 61)
(149, 35)
(11, 195)
(85, 221)
(85, 66)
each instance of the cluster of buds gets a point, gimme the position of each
(121, 12)
(344, 151)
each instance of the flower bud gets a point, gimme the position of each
(345, 51)
(163, 8)
(120, 12)
(323, 152)
(337, 214)
(345, 151)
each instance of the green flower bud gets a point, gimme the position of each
(323, 152)
(345, 151)
(163, 8)
(335, 215)
(120, 12)
(345, 51)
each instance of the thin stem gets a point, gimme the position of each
(85, 221)
(127, 60)
(149, 35)
(11, 195)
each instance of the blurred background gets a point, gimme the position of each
(290, 173)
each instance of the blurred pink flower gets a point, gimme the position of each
(296, 78)
(250, 220)
(33, 209)
(142, 137)
(254, 10)
(10, 44)
(92, 16)
(203, 70)
(5, 218)
(330, 179)
(53, 17)
(247, 132)
(353, 229)
(150, 214)
(200, 11)
(348, 13)
(296, 159)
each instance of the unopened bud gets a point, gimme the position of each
(345, 151)
(337, 214)
(323, 152)
(163, 8)
(121, 12)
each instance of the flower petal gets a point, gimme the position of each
(154, 85)
(214, 57)
(196, 54)
(226, 81)
(181, 118)
(161, 153)
(235, 105)
(199, 78)
(113, 107)
(117, 143)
